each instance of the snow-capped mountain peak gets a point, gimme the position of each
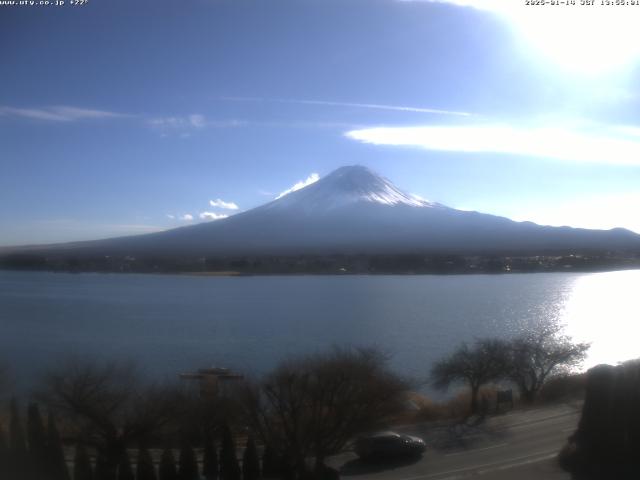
(348, 186)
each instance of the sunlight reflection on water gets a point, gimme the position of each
(603, 309)
(173, 323)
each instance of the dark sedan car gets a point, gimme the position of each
(389, 445)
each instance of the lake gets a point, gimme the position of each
(173, 323)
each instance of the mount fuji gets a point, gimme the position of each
(355, 211)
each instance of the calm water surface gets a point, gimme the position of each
(175, 323)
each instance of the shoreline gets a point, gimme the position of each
(236, 273)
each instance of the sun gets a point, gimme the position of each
(588, 37)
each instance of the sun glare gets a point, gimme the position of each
(603, 309)
(589, 39)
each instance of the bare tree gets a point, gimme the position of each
(477, 365)
(311, 406)
(107, 404)
(539, 355)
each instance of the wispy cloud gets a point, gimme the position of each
(598, 144)
(58, 113)
(181, 125)
(222, 204)
(184, 125)
(187, 217)
(78, 224)
(375, 106)
(212, 216)
(195, 120)
(314, 177)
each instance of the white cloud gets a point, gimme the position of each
(187, 217)
(213, 216)
(58, 113)
(586, 143)
(171, 217)
(314, 177)
(375, 106)
(222, 204)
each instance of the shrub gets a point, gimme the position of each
(563, 387)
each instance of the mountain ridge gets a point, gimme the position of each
(353, 210)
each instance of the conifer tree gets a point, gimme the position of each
(270, 463)
(229, 468)
(37, 441)
(82, 464)
(57, 463)
(167, 469)
(210, 460)
(125, 472)
(145, 469)
(286, 470)
(18, 458)
(103, 470)
(250, 461)
(4, 455)
(187, 463)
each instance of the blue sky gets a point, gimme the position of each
(127, 117)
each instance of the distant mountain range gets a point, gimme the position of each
(353, 211)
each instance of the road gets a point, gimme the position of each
(520, 444)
